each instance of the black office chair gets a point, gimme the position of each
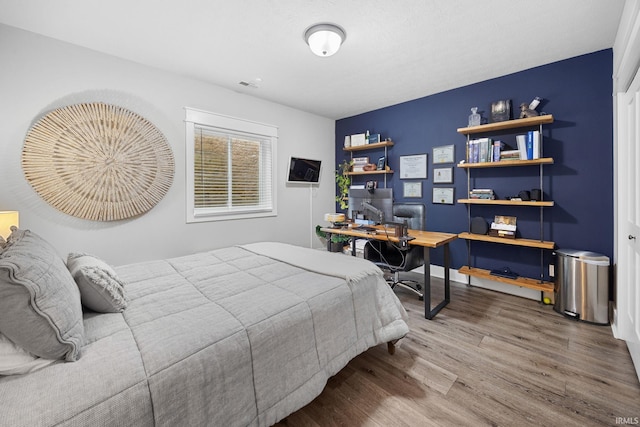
(389, 257)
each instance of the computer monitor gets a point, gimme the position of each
(361, 202)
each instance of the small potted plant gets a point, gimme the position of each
(338, 241)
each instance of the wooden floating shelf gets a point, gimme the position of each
(507, 163)
(507, 124)
(525, 282)
(530, 243)
(505, 202)
(370, 146)
(375, 172)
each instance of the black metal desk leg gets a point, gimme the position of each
(447, 259)
(429, 313)
(427, 283)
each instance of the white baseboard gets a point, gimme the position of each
(615, 325)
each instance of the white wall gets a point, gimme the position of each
(38, 74)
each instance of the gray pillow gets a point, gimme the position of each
(40, 308)
(100, 288)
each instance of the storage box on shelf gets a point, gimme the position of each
(502, 127)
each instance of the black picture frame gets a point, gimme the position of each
(443, 175)
(501, 110)
(413, 166)
(443, 195)
(412, 189)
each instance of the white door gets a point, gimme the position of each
(627, 319)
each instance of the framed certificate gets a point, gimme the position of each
(443, 175)
(412, 189)
(413, 167)
(444, 154)
(443, 195)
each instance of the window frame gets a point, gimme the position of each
(231, 126)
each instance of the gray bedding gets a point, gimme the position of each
(240, 336)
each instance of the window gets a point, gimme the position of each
(230, 167)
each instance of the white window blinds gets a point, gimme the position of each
(232, 171)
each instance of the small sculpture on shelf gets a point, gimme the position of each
(530, 110)
(525, 111)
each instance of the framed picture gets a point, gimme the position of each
(382, 162)
(443, 195)
(412, 189)
(501, 110)
(413, 167)
(443, 175)
(444, 154)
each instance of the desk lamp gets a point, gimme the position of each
(7, 219)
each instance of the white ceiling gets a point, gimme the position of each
(395, 51)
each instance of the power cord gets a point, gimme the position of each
(396, 247)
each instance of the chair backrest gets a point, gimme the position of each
(413, 213)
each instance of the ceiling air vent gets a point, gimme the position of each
(247, 84)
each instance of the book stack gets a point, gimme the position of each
(503, 226)
(480, 150)
(482, 193)
(359, 163)
(483, 150)
(529, 145)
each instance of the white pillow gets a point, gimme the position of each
(100, 288)
(15, 360)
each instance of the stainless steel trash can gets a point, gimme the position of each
(582, 285)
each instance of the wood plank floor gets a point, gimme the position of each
(486, 359)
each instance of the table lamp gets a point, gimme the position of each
(7, 219)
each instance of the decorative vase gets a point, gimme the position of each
(474, 117)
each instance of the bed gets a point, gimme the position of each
(239, 336)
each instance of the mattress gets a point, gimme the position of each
(239, 336)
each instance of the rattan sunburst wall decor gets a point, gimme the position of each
(98, 161)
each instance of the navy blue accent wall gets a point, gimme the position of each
(577, 92)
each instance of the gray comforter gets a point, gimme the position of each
(241, 336)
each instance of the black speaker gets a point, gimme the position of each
(536, 194)
(524, 195)
(479, 225)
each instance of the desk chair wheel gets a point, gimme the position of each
(394, 280)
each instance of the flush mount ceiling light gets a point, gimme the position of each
(324, 39)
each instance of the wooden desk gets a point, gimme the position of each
(427, 239)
